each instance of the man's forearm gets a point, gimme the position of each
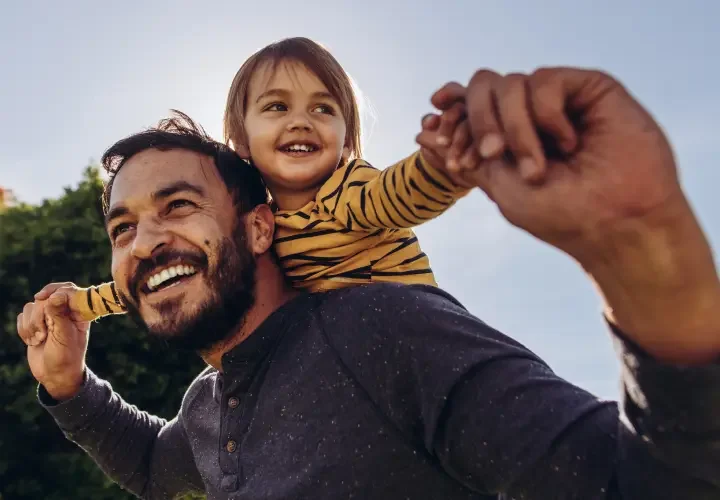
(661, 287)
(669, 433)
(116, 435)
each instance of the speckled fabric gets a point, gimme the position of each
(397, 392)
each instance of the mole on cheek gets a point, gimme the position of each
(207, 243)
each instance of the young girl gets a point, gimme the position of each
(292, 113)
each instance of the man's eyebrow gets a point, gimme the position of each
(160, 194)
(114, 213)
(176, 187)
(283, 93)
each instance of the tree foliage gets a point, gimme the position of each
(64, 240)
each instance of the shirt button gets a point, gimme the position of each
(231, 446)
(233, 402)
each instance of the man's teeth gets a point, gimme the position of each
(159, 278)
(301, 147)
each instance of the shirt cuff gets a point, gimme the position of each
(661, 398)
(79, 411)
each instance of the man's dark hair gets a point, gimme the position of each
(179, 131)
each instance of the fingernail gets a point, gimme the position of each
(442, 140)
(490, 145)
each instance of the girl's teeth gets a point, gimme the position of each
(301, 148)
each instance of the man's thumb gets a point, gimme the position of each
(58, 306)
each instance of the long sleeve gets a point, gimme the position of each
(499, 421)
(403, 195)
(95, 302)
(146, 455)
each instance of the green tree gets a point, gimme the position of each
(64, 240)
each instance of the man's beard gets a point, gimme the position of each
(232, 294)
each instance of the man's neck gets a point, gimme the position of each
(271, 293)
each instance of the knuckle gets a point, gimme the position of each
(604, 75)
(483, 75)
(544, 74)
(515, 79)
(452, 86)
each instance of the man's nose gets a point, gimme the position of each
(149, 238)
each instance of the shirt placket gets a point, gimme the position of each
(232, 409)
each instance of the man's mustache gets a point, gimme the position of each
(148, 266)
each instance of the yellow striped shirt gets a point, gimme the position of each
(355, 231)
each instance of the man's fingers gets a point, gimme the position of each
(555, 92)
(22, 332)
(37, 321)
(448, 123)
(461, 141)
(48, 289)
(547, 98)
(481, 110)
(470, 159)
(25, 332)
(520, 132)
(448, 95)
(58, 302)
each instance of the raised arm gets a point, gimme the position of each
(498, 420)
(141, 452)
(404, 195)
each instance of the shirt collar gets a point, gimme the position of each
(261, 341)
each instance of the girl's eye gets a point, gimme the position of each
(325, 108)
(276, 106)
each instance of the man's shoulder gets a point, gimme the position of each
(200, 390)
(366, 314)
(389, 298)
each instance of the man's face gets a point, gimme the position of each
(179, 253)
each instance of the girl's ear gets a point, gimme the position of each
(242, 151)
(345, 154)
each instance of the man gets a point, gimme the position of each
(387, 391)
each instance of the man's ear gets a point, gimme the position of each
(260, 229)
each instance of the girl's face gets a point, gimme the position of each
(296, 132)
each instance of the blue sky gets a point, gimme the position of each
(78, 75)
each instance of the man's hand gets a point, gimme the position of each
(56, 343)
(446, 141)
(572, 158)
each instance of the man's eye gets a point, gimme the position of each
(276, 106)
(179, 204)
(119, 230)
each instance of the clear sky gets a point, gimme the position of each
(75, 76)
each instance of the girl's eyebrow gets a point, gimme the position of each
(285, 93)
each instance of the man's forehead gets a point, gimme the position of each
(148, 171)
